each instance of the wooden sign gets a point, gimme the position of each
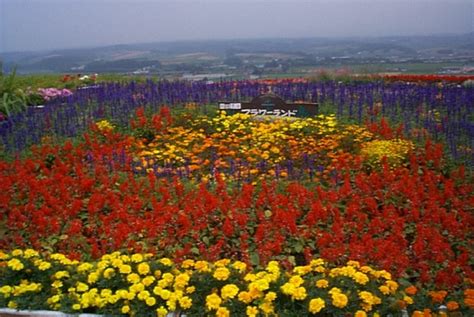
(271, 105)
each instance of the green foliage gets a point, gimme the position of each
(12, 99)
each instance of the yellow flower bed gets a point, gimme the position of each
(395, 151)
(205, 143)
(141, 284)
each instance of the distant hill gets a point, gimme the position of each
(194, 56)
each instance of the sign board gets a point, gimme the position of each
(271, 105)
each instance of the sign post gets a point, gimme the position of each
(270, 105)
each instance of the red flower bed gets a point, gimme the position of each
(415, 222)
(428, 78)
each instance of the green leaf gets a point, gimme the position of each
(254, 258)
(299, 247)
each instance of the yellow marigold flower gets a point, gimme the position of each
(136, 258)
(360, 278)
(6, 290)
(133, 278)
(57, 284)
(123, 294)
(125, 269)
(190, 289)
(229, 291)
(104, 125)
(302, 270)
(273, 266)
(136, 288)
(143, 295)
(296, 280)
(339, 300)
(60, 274)
(166, 261)
(115, 262)
(322, 283)
(161, 312)
(92, 278)
(148, 280)
(251, 311)
(222, 312)
(102, 265)
(43, 265)
(143, 268)
(355, 264)
(168, 277)
(369, 298)
(185, 302)
(84, 267)
(150, 301)
(334, 290)
(316, 262)
(267, 308)
(12, 304)
(408, 300)
(270, 296)
(222, 262)
(221, 274)
(288, 288)
(82, 287)
(187, 264)
(163, 293)
(29, 253)
(316, 305)
(125, 309)
(15, 264)
(171, 304)
(109, 272)
(213, 301)
(250, 277)
(392, 285)
(181, 280)
(17, 252)
(386, 275)
(239, 266)
(202, 266)
(76, 306)
(245, 297)
(261, 284)
(53, 299)
(360, 313)
(384, 289)
(299, 293)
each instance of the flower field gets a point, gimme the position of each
(129, 207)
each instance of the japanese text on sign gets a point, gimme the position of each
(274, 112)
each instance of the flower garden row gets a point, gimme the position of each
(230, 187)
(143, 285)
(443, 111)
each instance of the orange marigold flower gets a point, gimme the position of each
(469, 292)
(438, 297)
(469, 301)
(411, 290)
(401, 304)
(452, 305)
(427, 312)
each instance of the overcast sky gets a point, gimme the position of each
(50, 24)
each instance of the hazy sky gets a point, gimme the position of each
(50, 24)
